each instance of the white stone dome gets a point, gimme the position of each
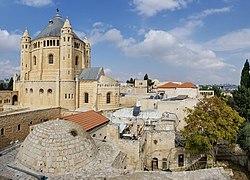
(57, 147)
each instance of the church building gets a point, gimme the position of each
(55, 70)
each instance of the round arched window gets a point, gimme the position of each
(41, 91)
(51, 59)
(49, 91)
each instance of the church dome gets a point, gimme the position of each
(53, 29)
(57, 147)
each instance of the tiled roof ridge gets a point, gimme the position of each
(176, 85)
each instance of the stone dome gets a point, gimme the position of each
(57, 147)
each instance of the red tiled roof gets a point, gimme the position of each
(87, 120)
(187, 85)
(175, 85)
(169, 85)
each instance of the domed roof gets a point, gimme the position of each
(57, 147)
(54, 28)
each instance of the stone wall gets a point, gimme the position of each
(8, 97)
(15, 126)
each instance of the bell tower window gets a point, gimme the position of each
(76, 63)
(51, 59)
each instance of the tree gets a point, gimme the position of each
(242, 102)
(217, 91)
(245, 77)
(132, 81)
(244, 138)
(10, 84)
(2, 86)
(211, 121)
(241, 96)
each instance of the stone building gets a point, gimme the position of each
(55, 70)
(148, 137)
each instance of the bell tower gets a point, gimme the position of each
(25, 61)
(66, 52)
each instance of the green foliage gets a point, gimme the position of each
(10, 84)
(242, 102)
(7, 86)
(131, 81)
(210, 121)
(146, 77)
(245, 77)
(217, 91)
(244, 138)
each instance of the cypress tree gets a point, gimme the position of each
(245, 77)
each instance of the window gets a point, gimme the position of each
(72, 96)
(164, 164)
(34, 60)
(1, 101)
(68, 39)
(86, 97)
(31, 122)
(47, 42)
(76, 63)
(26, 90)
(64, 39)
(44, 43)
(31, 90)
(51, 60)
(69, 96)
(2, 131)
(54, 42)
(181, 160)
(41, 91)
(19, 127)
(49, 91)
(65, 96)
(108, 98)
(57, 42)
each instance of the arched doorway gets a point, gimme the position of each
(14, 100)
(154, 163)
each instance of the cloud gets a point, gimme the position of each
(36, 3)
(163, 46)
(9, 42)
(7, 69)
(194, 21)
(111, 35)
(152, 7)
(208, 12)
(232, 41)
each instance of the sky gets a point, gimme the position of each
(201, 41)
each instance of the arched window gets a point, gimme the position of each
(31, 90)
(108, 100)
(49, 91)
(76, 62)
(51, 59)
(86, 97)
(34, 60)
(41, 91)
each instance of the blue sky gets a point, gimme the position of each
(201, 41)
